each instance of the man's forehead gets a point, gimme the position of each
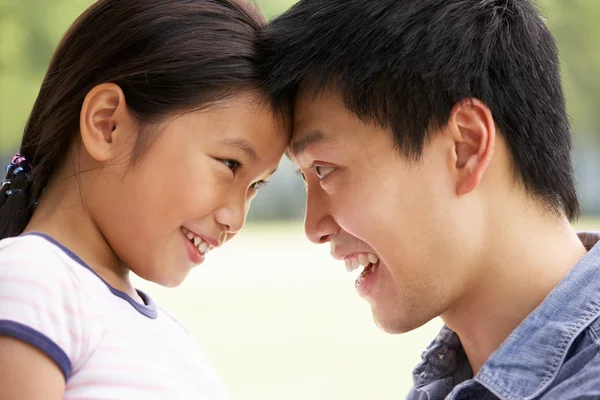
(312, 105)
(304, 139)
(316, 118)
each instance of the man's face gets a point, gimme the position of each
(371, 204)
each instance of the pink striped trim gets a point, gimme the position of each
(35, 306)
(27, 266)
(47, 291)
(117, 349)
(26, 281)
(138, 368)
(75, 397)
(67, 397)
(117, 385)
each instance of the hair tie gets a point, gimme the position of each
(18, 165)
(18, 159)
(11, 192)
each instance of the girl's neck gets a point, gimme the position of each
(62, 215)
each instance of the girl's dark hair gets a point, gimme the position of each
(166, 56)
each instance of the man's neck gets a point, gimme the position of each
(527, 257)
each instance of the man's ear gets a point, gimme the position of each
(471, 126)
(104, 121)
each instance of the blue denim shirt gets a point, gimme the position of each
(553, 354)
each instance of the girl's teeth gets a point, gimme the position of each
(202, 247)
(355, 263)
(363, 260)
(373, 259)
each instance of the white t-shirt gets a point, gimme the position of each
(107, 345)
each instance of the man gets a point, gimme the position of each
(436, 150)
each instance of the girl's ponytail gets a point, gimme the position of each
(16, 202)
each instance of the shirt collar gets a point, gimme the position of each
(529, 359)
(440, 359)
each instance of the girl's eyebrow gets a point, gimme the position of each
(241, 144)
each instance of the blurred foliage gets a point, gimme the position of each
(30, 30)
(574, 24)
(272, 8)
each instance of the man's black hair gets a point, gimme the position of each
(403, 64)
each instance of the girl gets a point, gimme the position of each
(148, 140)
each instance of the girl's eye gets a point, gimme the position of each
(323, 171)
(258, 185)
(232, 165)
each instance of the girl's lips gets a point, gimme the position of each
(194, 254)
(212, 242)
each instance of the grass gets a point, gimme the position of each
(279, 319)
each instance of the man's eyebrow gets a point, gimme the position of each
(312, 137)
(241, 144)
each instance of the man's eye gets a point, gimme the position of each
(232, 164)
(322, 171)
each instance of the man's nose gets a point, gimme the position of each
(319, 224)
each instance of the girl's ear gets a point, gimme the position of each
(104, 121)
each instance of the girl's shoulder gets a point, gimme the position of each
(45, 263)
(38, 255)
(43, 299)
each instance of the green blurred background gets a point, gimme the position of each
(276, 316)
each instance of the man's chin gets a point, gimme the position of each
(394, 323)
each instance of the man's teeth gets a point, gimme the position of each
(363, 259)
(202, 246)
(373, 259)
(348, 265)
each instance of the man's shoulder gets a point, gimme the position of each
(594, 330)
(579, 374)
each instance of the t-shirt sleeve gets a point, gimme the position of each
(40, 305)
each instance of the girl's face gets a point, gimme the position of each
(190, 191)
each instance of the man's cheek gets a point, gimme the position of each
(356, 220)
